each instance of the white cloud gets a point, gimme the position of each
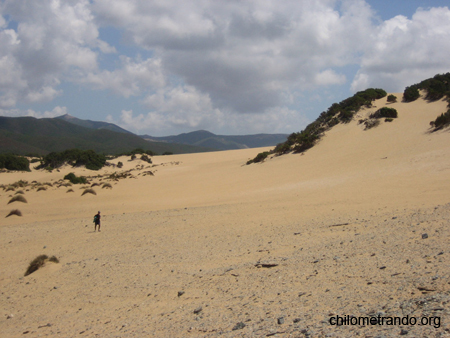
(53, 38)
(406, 51)
(213, 64)
(329, 77)
(157, 123)
(245, 55)
(131, 79)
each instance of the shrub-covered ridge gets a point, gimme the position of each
(342, 112)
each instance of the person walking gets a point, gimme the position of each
(97, 222)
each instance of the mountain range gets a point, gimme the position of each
(203, 138)
(28, 135)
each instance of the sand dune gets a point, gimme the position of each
(270, 249)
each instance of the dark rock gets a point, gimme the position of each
(198, 310)
(403, 332)
(424, 236)
(180, 293)
(280, 320)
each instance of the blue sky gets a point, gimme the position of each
(230, 67)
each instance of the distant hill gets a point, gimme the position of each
(92, 124)
(207, 139)
(28, 135)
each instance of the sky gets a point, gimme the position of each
(232, 67)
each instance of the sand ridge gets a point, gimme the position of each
(271, 249)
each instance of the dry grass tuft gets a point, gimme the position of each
(36, 263)
(94, 184)
(41, 188)
(89, 191)
(54, 259)
(107, 185)
(70, 190)
(10, 188)
(39, 262)
(19, 192)
(18, 198)
(16, 212)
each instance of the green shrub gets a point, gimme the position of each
(384, 112)
(441, 121)
(392, 98)
(436, 88)
(75, 179)
(74, 157)
(260, 157)
(145, 158)
(411, 93)
(12, 162)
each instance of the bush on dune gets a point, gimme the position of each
(13, 162)
(16, 212)
(74, 157)
(39, 262)
(75, 179)
(89, 191)
(18, 198)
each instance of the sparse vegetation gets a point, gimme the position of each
(19, 192)
(436, 88)
(75, 179)
(89, 191)
(371, 123)
(119, 165)
(70, 190)
(94, 184)
(16, 212)
(18, 198)
(342, 112)
(41, 188)
(441, 121)
(39, 262)
(10, 188)
(20, 184)
(145, 158)
(389, 119)
(106, 185)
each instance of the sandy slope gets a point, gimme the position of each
(204, 224)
